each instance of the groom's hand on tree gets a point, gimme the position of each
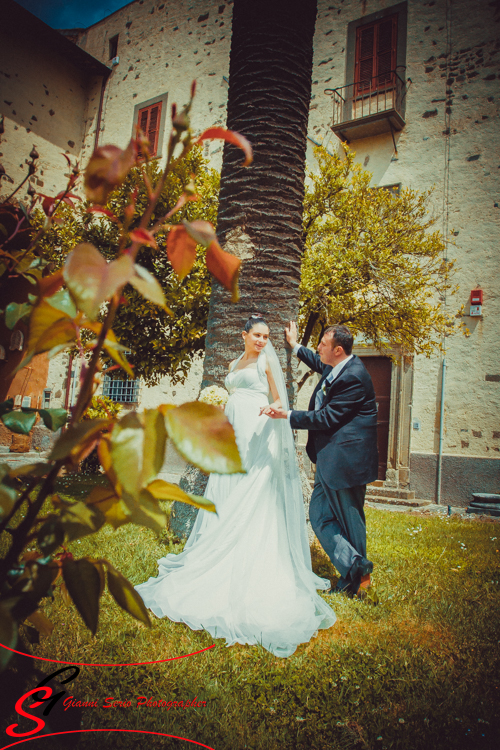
(291, 333)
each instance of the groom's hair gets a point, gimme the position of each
(341, 336)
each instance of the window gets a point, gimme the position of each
(149, 123)
(376, 47)
(46, 398)
(150, 118)
(122, 391)
(113, 46)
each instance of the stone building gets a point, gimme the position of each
(413, 87)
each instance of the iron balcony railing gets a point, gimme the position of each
(377, 96)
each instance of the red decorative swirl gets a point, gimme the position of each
(80, 731)
(131, 664)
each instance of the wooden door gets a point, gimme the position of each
(380, 369)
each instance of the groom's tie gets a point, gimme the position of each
(320, 396)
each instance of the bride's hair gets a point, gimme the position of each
(253, 320)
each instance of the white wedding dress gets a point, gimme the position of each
(245, 574)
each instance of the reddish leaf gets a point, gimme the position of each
(104, 211)
(48, 285)
(49, 203)
(143, 237)
(107, 169)
(181, 251)
(67, 159)
(225, 267)
(231, 137)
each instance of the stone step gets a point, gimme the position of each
(390, 492)
(403, 502)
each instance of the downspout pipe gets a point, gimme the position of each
(441, 433)
(99, 111)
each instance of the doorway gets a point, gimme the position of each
(380, 370)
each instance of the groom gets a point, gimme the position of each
(342, 442)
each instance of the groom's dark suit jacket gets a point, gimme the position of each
(342, 437)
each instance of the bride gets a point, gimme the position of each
(245, 574)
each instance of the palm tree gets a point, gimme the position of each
(260, 207)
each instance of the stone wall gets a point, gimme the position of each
(46, 100)
(162, 47)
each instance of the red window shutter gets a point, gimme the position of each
(365, 58)
(149, 122)
(153, 127)
(386, 49)
(375, 54)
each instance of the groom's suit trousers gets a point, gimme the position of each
(338, 520)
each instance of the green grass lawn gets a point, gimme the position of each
(420, 671)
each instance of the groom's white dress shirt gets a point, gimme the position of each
(329, 379)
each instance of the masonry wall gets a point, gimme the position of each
(162, 48)
(44, 98)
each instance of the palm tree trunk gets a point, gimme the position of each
(260, 207)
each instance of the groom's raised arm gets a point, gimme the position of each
(311, 359)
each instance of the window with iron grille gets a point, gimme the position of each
(149, 122)
(121, 391)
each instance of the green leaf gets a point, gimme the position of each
(38, 469)
(126, 596)
(20, 422)
(91, 280)
(113, 508)
(54, 419)
(8, 632)
(80, 519)
(147, 285)
(203, 436)
(162, 490)
(14, 312)
(154, 444)
(50, 535)
(146, 511)
(8, 497)
(6, 406)
(126, 446)
(63, 302)
(76, 436)
(83, 583)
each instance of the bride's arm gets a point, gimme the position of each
(274, 392)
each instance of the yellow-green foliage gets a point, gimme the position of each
(372, 261)
(102, 407)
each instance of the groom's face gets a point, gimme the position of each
(329, 351)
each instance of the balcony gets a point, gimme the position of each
(370, 107)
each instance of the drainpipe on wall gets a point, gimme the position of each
(99, 113)
(441, 433)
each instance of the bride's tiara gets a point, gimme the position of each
(256, 315)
